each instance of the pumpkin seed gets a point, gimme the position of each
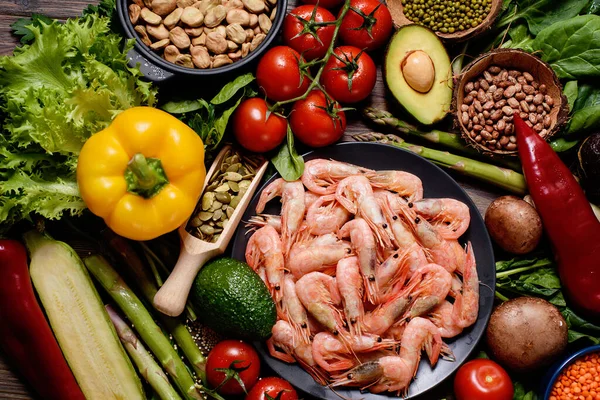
(229, 211)
(196, 222)
(207, 230)
(223, 197)
(235, 200)
(234, 186)
(223, 188)
(245, 184)
(216, 237)
(234, 167)
(217, 215)
(218, 230)
(204, 216)
(216, 205)
(233, 176)
(207, 201)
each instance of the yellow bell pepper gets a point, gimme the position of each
(143, 174)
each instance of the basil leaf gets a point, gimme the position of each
(220, 125)
(182, 106)
(572, 47)
(231, 88)
(571, 91)
(540, 14)
(287, 161)
(585, 120)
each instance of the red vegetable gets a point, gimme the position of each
(482, 379)
(567, 218)
(25, 336)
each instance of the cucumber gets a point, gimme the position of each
(79, 321)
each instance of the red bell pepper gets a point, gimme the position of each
(567, 217)
(25, 336)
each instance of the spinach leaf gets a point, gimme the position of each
(231, 88)
(572, 47)
(585, 120)
(519, 39)
(540, 14)
(593, 7)
(521, 394)
(287, 161)
(562, 144)
(220, 125)
(588, 96)
(522, 264)
(571, 91)
(182, 106)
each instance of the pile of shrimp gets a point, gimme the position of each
(365, 273)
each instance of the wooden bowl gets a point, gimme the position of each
(512, 60)
(397, 10)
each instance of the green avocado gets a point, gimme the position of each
(418, 73)
(232, 299)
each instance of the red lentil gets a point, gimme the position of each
(579, 381)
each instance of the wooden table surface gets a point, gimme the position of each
(11, 386)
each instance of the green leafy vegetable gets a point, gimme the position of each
(572, 47)
(521, 393)
(519, 39)
(593, 7)
(21, 26)
(585, 120)
(540, 14)
(231, 88)
(571, 90)
(288, 163)
(67, 84)
(562, 144)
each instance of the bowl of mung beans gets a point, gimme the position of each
(575, 377)
(496, 86)
(451, 20)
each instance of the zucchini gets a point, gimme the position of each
(79, 321)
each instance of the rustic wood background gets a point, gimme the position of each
(11, 386)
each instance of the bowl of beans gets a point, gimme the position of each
(576, 377)
(496, 86)
(199, 37)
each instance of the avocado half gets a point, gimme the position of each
(431, 106)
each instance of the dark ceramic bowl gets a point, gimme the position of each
(157, 69)
(555, 371)
(436, 183)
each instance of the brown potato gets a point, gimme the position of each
(513, 224)
(526, 333)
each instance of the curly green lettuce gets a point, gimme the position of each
(68, 83)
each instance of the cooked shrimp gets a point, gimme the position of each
(394, 373)
(363, 244)
(264, 250)
(319, 295)
(441, 316)
(450, 217)
(260, 220)
(403, 183)
(392, 273)
(350, 286)
(331, 354)
(292, 310)
(292, 207)
(356, 195)
(321, 176)
(384, 315)
(310, 198)
(285, 338)
(466, 305)
(319, 254)
(433, 285)
(326, 215)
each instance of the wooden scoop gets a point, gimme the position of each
(172, 296)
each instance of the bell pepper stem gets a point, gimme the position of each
(145, 176)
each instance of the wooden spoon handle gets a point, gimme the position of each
(172, 296)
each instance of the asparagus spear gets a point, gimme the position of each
(151, 333)
(149, 369)
(175, 327)
(446, 139)
(501, 177)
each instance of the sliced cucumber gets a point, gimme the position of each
(80, 322)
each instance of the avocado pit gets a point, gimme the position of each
(418, 71)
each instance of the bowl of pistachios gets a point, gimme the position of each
(198, 37)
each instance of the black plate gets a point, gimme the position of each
(436, 183)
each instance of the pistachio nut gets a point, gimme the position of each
(221, 60)
(254, 6)
(200, 56)
(185, 60)
(134, 13)
(236, 33)
(141, 31)
(216, 43)
(161, 44)
(237, 16)
(171, 52)
(179, 38)
(192, 17)
(172, 19)
(164, 7)
(215, 16)
(158, 32)
(149, 17)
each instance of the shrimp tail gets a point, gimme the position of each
(280, 355)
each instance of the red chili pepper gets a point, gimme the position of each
(567, 217)
(25, 336)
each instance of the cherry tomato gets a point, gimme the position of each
(351, 76)
(254, 130)
(482, 379)
(233, 354)
(370, 32)
(278, 74)
(328, 4)
(312, 124)
(307, 44)
(272, 387)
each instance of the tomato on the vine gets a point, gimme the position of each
(300, 32)
(234, 355)
(272, 387)
(278, 74)
(368, 32)
(317, 122)
(482, 379)
(253, 130)
(329, 4)
(349, 75)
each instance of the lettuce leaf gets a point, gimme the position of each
(66, 84)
